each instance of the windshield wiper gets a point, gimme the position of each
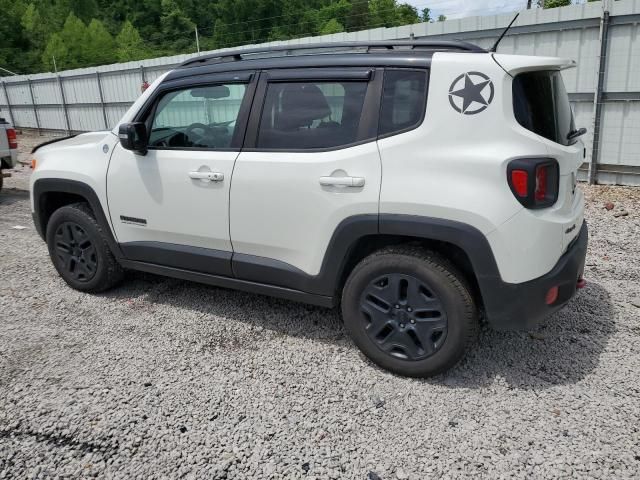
(573, 134)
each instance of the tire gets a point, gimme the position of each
(79, 250)
(409, 311)
(1, 180)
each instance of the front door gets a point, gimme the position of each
(171, 206)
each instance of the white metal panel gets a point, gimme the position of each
(619, 138)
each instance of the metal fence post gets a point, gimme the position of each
(33, 104)
(104, 107)
(598, 96)
(64, 106)
(6, 95)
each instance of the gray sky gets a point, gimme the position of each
(469, 8)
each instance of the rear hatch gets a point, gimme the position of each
(541, 105)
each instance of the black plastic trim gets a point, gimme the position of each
(522, 306)
(49, 142)
(326, 283)
(195, 259)
(401, 58)
(43, 186)
(530, 165)
(233, 283)
(320, 74)
(389, 45)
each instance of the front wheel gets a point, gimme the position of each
(79, 250)
(409, 311)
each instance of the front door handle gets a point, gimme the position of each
(210, 176)
(342, 181)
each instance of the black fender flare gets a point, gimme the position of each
(353, 229)
(43, 186)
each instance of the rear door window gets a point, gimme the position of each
(404, 99)
(310, 115)
(541, 105)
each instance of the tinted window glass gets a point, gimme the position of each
(304, 115)
(403, 100)
(541, 104)
(197, 117)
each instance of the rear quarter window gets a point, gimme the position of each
(404, 98)
(541, 105)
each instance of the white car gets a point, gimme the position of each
(420, 185)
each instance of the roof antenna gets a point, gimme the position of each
(495, 45)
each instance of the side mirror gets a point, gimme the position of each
(133, 136)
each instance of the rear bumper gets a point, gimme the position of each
(522, 306)
(9, 158)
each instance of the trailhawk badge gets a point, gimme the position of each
(471, 93)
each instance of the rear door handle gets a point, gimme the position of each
(210, 176)
(342, 181)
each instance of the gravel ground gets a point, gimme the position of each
(165, 378)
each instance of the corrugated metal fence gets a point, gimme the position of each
(604, 89)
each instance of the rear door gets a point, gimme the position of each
(310, 162)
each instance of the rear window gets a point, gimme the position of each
(541, 105)
(307, 115)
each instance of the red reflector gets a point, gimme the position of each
(541, 182)
(13, 139)
(581, 283)
(552, 296)
(519, 180)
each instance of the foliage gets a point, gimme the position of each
(83, 33)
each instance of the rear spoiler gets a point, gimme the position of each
(514, 64)
(59, 139)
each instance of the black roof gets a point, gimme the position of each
(397, 53)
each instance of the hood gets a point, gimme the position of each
(72, 140)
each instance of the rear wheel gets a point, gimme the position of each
(79, 250)
(409, 311)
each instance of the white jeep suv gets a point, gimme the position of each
(417, 184)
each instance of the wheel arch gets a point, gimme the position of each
(50, 194)
(462, 244)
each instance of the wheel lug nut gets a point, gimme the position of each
(402, 325)
(397, 306)
(413, 321)
(409, 309)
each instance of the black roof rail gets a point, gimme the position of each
(240, 53)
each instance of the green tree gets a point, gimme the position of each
(406, 14)
(55, 55)
(129, 44)
(426, 15)
(177, 29)
(442, 18)
(554, 3)
(332, 26)
(100, 47)
(382, 13)
(74, 36)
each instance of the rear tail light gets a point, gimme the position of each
(13, 139)
(534, 181)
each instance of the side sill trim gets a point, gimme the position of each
(232, 283)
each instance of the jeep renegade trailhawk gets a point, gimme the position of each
(416, 184)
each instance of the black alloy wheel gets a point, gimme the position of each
(410, 310)
(76, 251)
(403, 316)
